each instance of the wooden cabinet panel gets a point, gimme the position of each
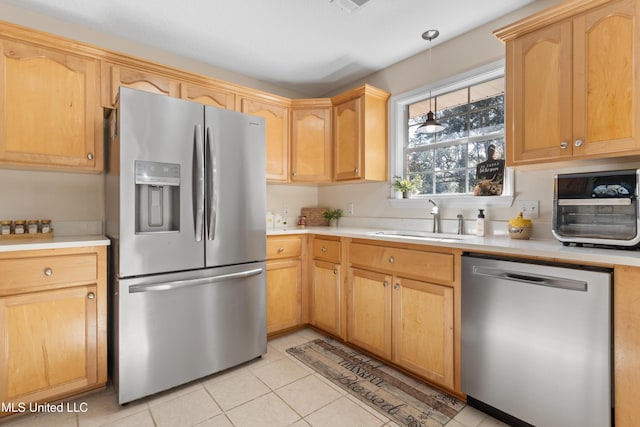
(50, 115)
(326, 297)
(115, 76)
(284, 294)
(277, 134)
(328, 250)
(205, 95)
(572, 90)
(626, 331)
(53, 328)
(369, 314)
(51, 342)
(311, 140)
(423, 329)
(20, 275)
(284, 247)
(360, 134)
(432, 265)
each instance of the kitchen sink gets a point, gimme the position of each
(423, 235)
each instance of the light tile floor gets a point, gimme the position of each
(275, 390)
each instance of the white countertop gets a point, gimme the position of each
(56, 242)
(500, 245)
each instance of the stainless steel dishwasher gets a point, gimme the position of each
(537, 342)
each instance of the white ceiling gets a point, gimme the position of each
(308, 46)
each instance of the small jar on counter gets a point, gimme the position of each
(45, 226)
(19, 226)
(5, 227)
(32, 226)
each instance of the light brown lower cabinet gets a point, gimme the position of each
(284, 283)
(52, 324)
(400, 313)
(327, 290)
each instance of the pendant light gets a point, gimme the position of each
(431, 125)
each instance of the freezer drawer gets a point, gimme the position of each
(174, 328)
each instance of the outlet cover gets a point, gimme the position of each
(529, 208)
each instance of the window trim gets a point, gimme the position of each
(398, 105)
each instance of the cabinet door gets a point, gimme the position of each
(284, 294)
(326, 296)
(50, 115)
(277, 127)
(369, 312)
(209, 96)
(117, 75)
(423, 329)
(311, 145)
(347, 121)
(606, 91)
(539, 78)
(49, 342)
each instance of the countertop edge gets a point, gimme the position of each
(54, 243)
(498, 245)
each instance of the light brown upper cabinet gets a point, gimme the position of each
(360, 134)
(50, 115)
(276, 114)
(311, 140)
(571, 82)
(114, 76)
(206, 95)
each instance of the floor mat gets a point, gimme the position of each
(400, 397)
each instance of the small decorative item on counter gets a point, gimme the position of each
(520, 228)
(45, 226)
(332, 216)
(302, 221)
(19, 226)
(270, 221)
(5, 227)
(480, 223)
(32, 226)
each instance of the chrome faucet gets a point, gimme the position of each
(436, 216)
(460, 224)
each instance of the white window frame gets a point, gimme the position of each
(398, 131)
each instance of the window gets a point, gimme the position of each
(472, 110)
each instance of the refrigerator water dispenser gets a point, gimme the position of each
(157, 197)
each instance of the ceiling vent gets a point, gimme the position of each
(350, 6)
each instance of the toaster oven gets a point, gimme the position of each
(597, 208)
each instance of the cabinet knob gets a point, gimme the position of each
(335, 271)
(91, 295)
(294, 174)
(356, 170)
(564, 145)
(396, 286)
(385, 284)
(280, 250)
(90, 156)
(323, 249)
(48, 271)
(392, 259)
(578, 142)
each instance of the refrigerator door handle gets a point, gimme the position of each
(198, 183)
(179, 284)
(212, 190)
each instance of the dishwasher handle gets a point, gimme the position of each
(531, 279)
(179, 284)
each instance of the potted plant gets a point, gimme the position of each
(332, 215)
(406, 185)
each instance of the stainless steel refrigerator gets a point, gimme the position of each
(185, 201)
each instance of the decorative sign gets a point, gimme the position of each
(489, 175)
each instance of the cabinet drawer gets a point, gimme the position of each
(17, 274)
(328, 250)
(283, 247)
(433, 266)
